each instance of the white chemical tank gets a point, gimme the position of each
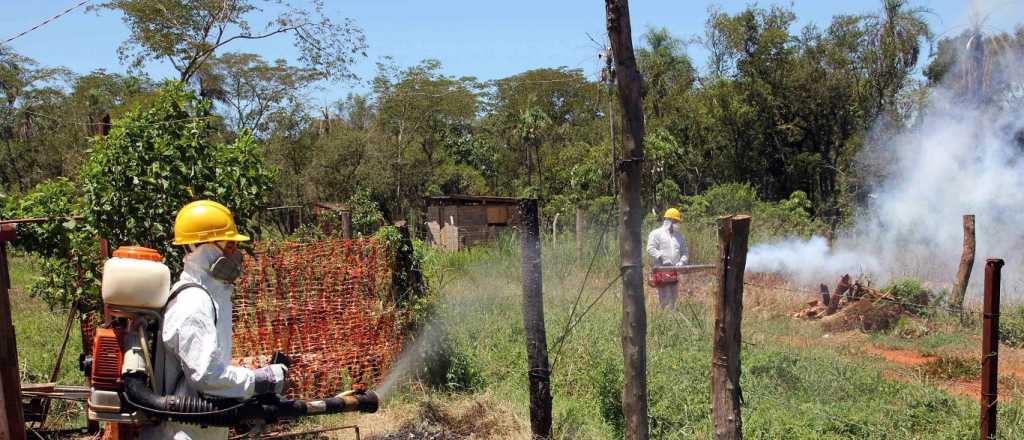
(136, 277)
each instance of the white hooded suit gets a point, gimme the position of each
(194, 351)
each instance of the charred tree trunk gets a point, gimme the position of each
(725, 360)
(634, 315)
(533, 323)
(963, 276)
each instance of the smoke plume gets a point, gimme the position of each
(961, 155)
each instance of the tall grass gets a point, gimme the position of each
(790, 391)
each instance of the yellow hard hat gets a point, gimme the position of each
(673, 214)
(204, 221)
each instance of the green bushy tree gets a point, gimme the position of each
(154, 161)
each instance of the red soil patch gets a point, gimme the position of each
(902, 357)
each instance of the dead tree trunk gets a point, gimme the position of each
(963, 276)
(634, 315)
(533, 323)
(725, 360)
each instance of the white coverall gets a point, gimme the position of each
(195, 352)
(667, 247)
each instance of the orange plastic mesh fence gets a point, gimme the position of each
(328, 305)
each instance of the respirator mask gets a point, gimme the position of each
(228, 266)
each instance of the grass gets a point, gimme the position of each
(796, 385)
(39, 332)
(791, 390)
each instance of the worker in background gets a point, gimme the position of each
(667, 247)
(194, 353)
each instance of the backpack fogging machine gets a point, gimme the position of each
(123, 367)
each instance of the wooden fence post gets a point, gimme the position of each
(12, 418)
(346, 225)
(579, 233)
(631, 214)
(533, 323)
(963, 276)
(725, 359)
(990, 349)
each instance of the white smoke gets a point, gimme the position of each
(807, 261)
(957, 159)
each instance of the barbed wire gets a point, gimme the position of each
(948, 309)
(579, 295)
(46, 22)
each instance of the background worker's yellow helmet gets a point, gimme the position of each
(673, 214)
(204, 221)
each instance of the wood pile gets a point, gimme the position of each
(846, 293)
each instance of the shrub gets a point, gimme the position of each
(909, 294)
(952, 368)
(67, 247)
(153, 162)
(1011, 327)
(609, 391)
(156, 160)
(366, 214)
(446, 364)
(787, 217)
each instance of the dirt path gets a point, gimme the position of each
(968, 387)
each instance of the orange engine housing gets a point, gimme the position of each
(106, 360)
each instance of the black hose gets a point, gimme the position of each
(186, 409)
(229, 413)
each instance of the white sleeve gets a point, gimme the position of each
(652, 247)
(190, 332)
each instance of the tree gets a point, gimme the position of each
(187, 33)
(896, 36)
(634, 315)
(251, 88)
(667, 70)
(420, 113)
(32, 138)
(156, 160)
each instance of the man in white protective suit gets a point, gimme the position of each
(194, 351)
(667, 248)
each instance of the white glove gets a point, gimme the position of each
(270, 379)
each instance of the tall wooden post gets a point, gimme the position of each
(579, 233)
(634, 313)
(725, 359)
(963, 276)
(12, 419)
(346, 225)
(533, 323)
(990, 348)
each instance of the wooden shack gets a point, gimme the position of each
(457, 222)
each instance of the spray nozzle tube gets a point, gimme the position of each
(220, 412)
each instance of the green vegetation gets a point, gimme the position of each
(152, 162)
(777, 111)
(812, 392)
(1011, 327)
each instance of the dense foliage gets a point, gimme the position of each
(154, 160)
(777, 121)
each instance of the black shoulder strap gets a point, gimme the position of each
(175, 292)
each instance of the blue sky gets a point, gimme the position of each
(486, 39)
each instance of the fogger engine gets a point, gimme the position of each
(123, 367)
